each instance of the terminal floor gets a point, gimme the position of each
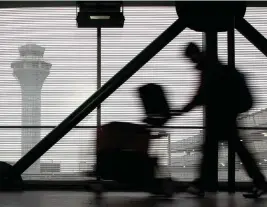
(83, 199)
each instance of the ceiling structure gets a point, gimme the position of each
(18, 4)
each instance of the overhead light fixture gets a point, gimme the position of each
(264, 134)
(99, 17)
(98, 14)
(265, 160)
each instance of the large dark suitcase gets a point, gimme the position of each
(155, 103)
(122, 153)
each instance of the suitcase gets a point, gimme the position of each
(122, 153)
(155, 103)
(122, 156)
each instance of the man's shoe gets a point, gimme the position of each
(256, 192)
(194, 190)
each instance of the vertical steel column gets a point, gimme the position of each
(211, 46)
(98, 115)
(204, 43)
(98, 75)
(231, 148)
(212, 55)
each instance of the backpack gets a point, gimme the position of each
(241, 95)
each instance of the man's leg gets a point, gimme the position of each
(199, 181)
(208, 169)
(198, 185)
(209, 165)
(249, 163)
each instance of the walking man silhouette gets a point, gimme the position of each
(224, 94)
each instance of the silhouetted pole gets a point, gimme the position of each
(231, 147)
(98, 77)
(211, 49)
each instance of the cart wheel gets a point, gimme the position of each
(98, 189)
(168, 188)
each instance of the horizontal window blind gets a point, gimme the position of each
(71, 51)
(168, 68)
(25, 35)
(68, 71)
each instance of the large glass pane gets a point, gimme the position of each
(168, 68)
(48, 68)
(72, 155)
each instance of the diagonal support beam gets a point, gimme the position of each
(99, 96)
(254, 36)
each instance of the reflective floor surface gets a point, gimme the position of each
(83, 199)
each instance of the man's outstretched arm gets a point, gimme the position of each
(196, 101)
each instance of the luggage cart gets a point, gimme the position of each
(122, 154)
(122, 148)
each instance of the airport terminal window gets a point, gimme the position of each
(48, 36)
(72, 53)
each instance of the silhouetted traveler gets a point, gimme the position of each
(224, 94)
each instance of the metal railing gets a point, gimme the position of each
(175, 168)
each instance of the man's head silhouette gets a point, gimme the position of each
(193, 52)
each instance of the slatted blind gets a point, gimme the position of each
(72, 79)
(169, 68)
